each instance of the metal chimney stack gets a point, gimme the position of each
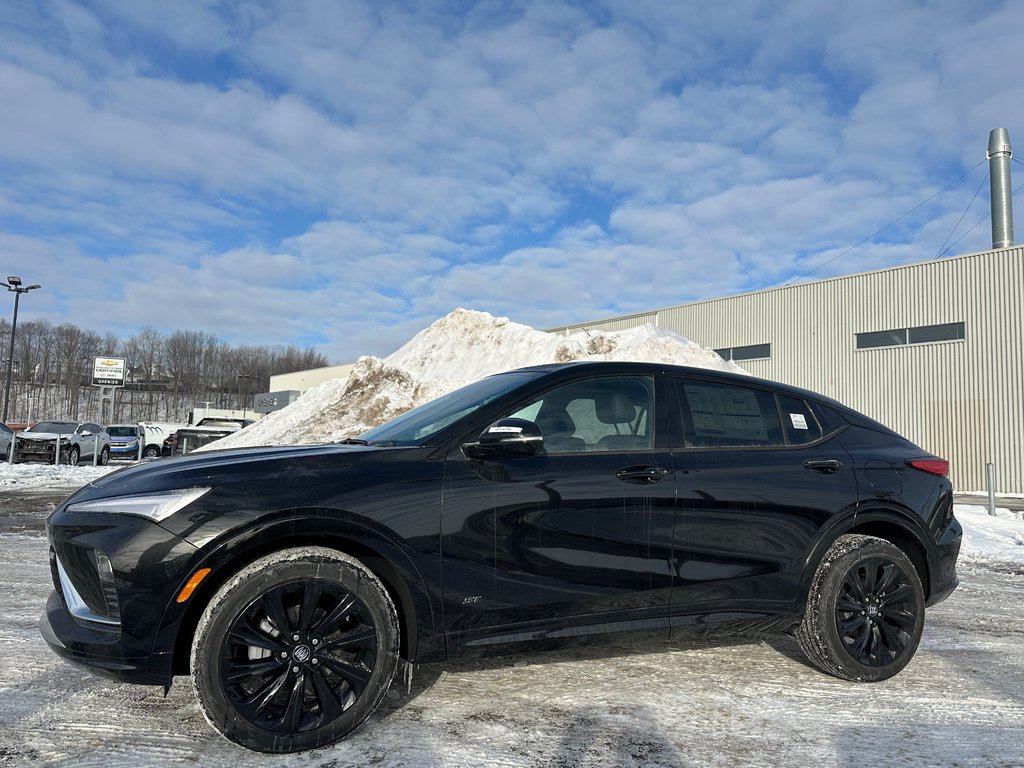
(999, 154)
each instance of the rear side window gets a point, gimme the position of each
(726, 415)
(798, 421)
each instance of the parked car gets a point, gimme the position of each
(6, 438)
(542, 503)
(78, 441)
(125, 439)
(205, 432)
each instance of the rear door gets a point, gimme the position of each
(757, 478)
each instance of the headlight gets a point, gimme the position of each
(152, 506)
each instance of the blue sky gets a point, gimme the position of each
(340, 174)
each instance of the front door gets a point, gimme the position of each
(579, 535)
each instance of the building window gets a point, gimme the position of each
(751, 352)
(922, 334)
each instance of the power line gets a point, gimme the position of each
(943, 248)
(965, 234)
(880, 231)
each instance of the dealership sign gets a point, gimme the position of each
(108, 371)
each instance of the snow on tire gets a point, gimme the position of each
(295, 651)
(865, 610)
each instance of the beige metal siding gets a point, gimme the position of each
(963, 400)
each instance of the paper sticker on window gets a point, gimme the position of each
(510, 430)
(799, 421)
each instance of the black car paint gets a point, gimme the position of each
(485, 551)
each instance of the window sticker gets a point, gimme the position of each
(799, 420)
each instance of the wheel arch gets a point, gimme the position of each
(401, 579)
(896, 525)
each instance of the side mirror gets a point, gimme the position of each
(506, 438)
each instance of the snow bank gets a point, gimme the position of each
(460, 348)
(32, 476)
(987, 538)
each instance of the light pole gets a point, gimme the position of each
(238, 380)
(13, 284)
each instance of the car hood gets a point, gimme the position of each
(217, 467)
(43, 435)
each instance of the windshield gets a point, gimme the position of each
(123, 431)
(54, 426)
(420, 424)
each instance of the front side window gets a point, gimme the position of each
(728, 415)
(615, 413)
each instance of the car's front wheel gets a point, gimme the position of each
(865, 610)
(151, 452)
(72, 456)
(295, 651)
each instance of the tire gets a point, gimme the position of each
(72, 456)
(104, 456)
(865, 610)
(150, 452)
(306, 686)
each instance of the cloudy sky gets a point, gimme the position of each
(340, 173)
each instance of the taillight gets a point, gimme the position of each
(933, 466)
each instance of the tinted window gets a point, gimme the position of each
(750, 352)
(716, 414)
(798, 421)
(607, 414)
(881, 338)
(945, 332)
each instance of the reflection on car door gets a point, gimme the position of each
(756, 480)
(581, 530)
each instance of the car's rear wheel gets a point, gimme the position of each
(105, 456)
(865, 610)
(295, 651)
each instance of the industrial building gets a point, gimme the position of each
(934, 350)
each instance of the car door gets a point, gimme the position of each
(88, 434)
(757, 478)
(580, 533)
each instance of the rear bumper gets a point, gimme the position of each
(944, 579)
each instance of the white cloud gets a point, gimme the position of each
(352, 170)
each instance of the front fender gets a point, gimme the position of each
(410, 576)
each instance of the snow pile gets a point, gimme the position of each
(460, 348)
(987, 538)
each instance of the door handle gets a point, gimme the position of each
(642, 475)
(826, 466)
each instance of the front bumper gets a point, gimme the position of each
(113, 607)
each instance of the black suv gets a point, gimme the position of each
(547, 502)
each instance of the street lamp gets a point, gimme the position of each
(13, 284)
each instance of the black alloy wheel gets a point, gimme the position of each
(865, 610)
(295, 651)
(876, 612)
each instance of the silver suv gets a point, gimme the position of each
(77, 441)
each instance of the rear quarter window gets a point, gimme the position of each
(798, 421)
